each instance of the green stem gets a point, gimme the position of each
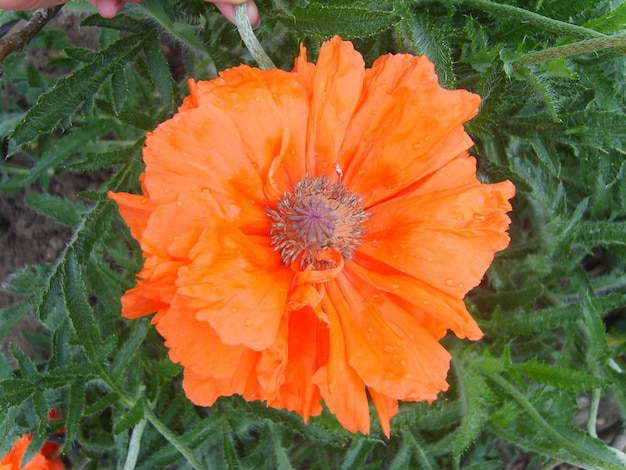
(558, 440)
(580, 47)
(593, 412)
(173, 439)
(249, 39)
(134, 445)
(525, 16)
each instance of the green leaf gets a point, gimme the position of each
(53, 157)
(73, 412)
(129, 419)
(63, 211)
(420, 37)
(11, 315)
(592, 234)
(559, 377)
(56, 105)
(129, 348)
(13, 392)
(80, 312)
(27, 368)
(160, 74)
(538, 321)
(345, 21)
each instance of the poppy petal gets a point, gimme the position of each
(336, 91)
(447, 232)
(394, 138)
(389, 349)
(236, 285)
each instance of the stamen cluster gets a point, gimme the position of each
(314, 217)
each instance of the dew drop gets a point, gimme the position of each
(426, 301)
(403, 363)
(395, 286)
(234, 310)
(247, 322)
(179, 204)
(144, 200)
(449, 282)
(388, 348)
(252, 201)
(405, 245)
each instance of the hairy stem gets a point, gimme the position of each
(135, 445)
(580, 47)
(525, 16)
(249, 38)
(19, 39)
(173, 439)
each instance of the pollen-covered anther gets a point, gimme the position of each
(314, 217)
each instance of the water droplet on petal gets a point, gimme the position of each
(388, 348)
(247, 322)
(395, 286)
(449, 282)
(403, 363)
(179, 204)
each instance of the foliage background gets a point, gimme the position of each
(552, 305)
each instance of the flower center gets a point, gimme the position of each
(314, 217)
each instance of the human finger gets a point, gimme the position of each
(28, 4)
(228, 10)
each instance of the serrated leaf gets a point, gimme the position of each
(79, 311)
(73, 413)
(52, 157)
(129, 348)
(129, 419)
(56, 105)
(11, 315)
(419, 37)
(13, 392)
(114, 157)
(160, 74)
(559, 377)
(27, 368)
(550, 318)
(119, 90)
(592, 234)
(63, 211)
(119, 22)
(345, 21)
(101, 404)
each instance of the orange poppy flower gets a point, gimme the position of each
(43, 460)
(311, 234)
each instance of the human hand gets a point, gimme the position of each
(108, 8)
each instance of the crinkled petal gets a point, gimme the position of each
(444, 232)
(228, 136)
(336, 91)
(307, 349)
(135, 210)
(196, 346)
(405, 127)
(435, 310)
(236, 285)
(386, 408)
(204, 390)
(341, 387)
(391, 352)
